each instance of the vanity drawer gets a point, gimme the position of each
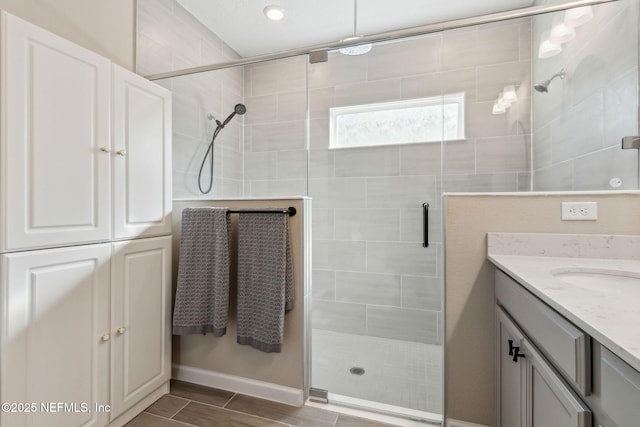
(620, 389)
(565, 345)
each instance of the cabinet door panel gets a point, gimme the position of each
(511, 373)
(141, 299)
(142, 156)
(56, 119)
(54, 314)
(549, 400)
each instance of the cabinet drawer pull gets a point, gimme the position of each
(516, 354)
(122, 152)
(105, 149)
(105, 337)
(121, 330)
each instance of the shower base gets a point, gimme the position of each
(399, 377)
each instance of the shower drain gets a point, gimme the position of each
(356, 370)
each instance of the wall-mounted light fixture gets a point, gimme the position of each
(578, 16)
(563, 30)
(547, 48)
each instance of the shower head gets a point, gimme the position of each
(238, 109)
(543, 87)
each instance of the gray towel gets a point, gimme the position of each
(202, 294)
(265, 279)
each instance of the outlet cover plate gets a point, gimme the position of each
(579, 211)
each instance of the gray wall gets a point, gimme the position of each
(579, 124)
(169, 38)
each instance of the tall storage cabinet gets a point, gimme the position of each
(85, 245)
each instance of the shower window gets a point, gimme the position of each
(399, 122)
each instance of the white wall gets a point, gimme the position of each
(105, 27)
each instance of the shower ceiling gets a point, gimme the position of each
(242, 25)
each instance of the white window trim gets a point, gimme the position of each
(453, 98)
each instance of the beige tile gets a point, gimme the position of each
(292, 164)
(367, 161)
(502, 154)
(558, 177)
(167, 406)
(149, 420)
(486, 182)
(460, 156)
(322, 223)
(493, 78)
(480, 45)
(304, 416)
(338, 70)
(208, 395)
(284, 75)
(279, 136)
(441, 83)
(420, 159)
(292, 106)
(367, 92)
(417, 56)
(204, 415)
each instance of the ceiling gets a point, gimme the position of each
(243, 26)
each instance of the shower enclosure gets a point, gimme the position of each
(372, 138)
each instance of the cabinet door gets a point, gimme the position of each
(511, 373)
(56, 180)
(141, 156)
(55, 336)
(549, 400)
(141, 320)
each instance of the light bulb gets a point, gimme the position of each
(578, 16)
(273, 12)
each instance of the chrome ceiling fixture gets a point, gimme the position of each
(359, 49)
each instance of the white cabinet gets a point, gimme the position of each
(55, 121)
(141, 156)
(55, 335)
(85, 160)
(83, 139)
(59, 344)
(140, 320)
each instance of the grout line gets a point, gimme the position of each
(177, 421)
(229, 401)
(184, 406)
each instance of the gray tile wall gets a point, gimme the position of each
(579, 124)
(371, 274)
(169, 38)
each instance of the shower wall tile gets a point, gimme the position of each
(401, 192)
(276, 188)
(368, 288)
(596, 170)
(417, 56)
(319, 134)
(284, 75)
(416, 159)
(481, 123)
(502, 154)
(373, 161)
(403, 324)
(460, 156)
(231, 164)
(367, 92)
(367, 224)
(542, 147)
(321, 164)
(151, 56)
(619, 101)
(480, 45)
(184, 153)
(338, 192)
(402, 258)
(292, 106)
(323, 223)
(339, 255)
(279, 136)
(339, 316)
(424, 293)
(525, 40)
(261, 165)
(324, 284)
(480, 183)
(493, 78)
(261, 109)
(440, 83)
(320, 100)
(292, 164)
(580, 131)
(338, 70)
(558, 177)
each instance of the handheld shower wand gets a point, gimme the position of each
(543, 87)
(238, 109)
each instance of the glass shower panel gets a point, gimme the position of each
(373, 162)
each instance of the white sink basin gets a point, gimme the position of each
(599, 279)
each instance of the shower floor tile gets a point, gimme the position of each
(399, 373)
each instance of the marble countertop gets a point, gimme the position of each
(610, 314)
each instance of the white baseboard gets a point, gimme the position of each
(456, 423)
(236, 384)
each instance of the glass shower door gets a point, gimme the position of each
(374, 159)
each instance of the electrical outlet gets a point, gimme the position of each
(579, 211)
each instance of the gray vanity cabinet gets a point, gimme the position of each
(530, 392)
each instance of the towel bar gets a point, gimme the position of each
(291, 211)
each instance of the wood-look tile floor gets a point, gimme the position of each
(190, 405)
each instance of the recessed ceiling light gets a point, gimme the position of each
(273, 12)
